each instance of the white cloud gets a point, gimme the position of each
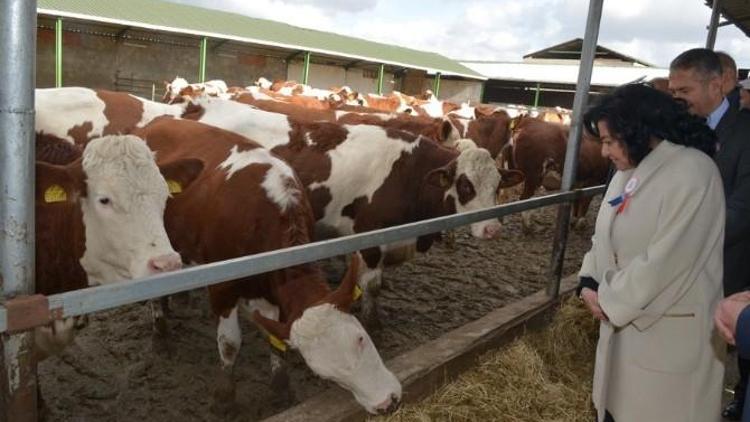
(654, 31)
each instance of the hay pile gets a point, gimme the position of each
(542, 376)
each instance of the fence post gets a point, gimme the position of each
(381, 76)
(713, 25)
(306, 68)
(436, 85)
(18, 74)
(58, 52)
(571, 154)
(202, 64)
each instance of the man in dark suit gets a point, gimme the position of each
(729, 79)
(695, 77)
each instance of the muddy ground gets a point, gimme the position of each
(113, 373)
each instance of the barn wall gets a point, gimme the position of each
(327, 76)
(135, 65)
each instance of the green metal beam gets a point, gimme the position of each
(306, 68)
(381, 75)
(536, 96)
(202, 66)
(481, 91)
(436, 85)
(58, 52)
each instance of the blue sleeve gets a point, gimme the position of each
(742, 335)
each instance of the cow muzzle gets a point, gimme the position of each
(388, 406)
(164, 263)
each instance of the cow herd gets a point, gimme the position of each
(128, 187)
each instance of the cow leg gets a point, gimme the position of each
(229, 339)
(282, 390)
(529, 188)
(579, 213)
(280, 385)
(160, 333)
(53, 338)
(370, 280)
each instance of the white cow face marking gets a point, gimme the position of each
(336, 346)
(123, 212)
(475, 187)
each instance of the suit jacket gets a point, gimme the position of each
(659, 266)
(733, 159)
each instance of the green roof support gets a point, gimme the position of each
(481, 91)
(436, 85)
(381, 75)
(202, 66)
(306, 68)
(58, 53)
(536, 95)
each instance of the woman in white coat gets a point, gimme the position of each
(653, 275)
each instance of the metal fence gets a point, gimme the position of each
(22, 313)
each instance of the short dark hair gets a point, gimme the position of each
(727, 62)
(635, 112)
(702, 60)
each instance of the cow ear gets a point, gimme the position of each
(274, 328)
(446, 127)
(181, 173)
(58, 184)
(442, 177)
(348, 290)
(510, 178)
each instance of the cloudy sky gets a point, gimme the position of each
(654, 31)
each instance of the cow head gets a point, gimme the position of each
(173, 89)
(122, 197)
(470, 182)
(336, 347)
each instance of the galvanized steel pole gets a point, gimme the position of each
(17, 74)
(58, 52)
(436, 85)
(306, 68)
(571, 154)
(536, 95)
(202, 64)
(713, 25)
(381, 76)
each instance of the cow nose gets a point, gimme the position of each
(164, 263)
(389, 405)
(491, 231)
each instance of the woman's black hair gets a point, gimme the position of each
(634, 113)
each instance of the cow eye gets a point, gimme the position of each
(104, 201)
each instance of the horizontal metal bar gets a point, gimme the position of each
(99, 298)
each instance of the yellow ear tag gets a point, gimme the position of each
(174, 186)
(513, 123)
(55, 193)
(277, 343)
(357, 293)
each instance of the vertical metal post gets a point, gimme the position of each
(481, 91)
(306, 68)
(381, 76)
(436, 85)
(536, 95)
(18, 75)
(202, 65)
(571, 154)
(58, 52)
(713, 25)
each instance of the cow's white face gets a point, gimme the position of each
(123, 212)
(174, 88)
(336, 346)
(475, 187)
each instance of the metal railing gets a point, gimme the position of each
(99, 298)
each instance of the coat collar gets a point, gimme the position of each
(641, 174)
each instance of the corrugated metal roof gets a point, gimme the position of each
(573, 49)
(171, 17)
(563, 73)
(736, 12)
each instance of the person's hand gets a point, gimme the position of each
(591, 299)
(727, 313)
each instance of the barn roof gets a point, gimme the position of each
(735, 12)
(164, 16)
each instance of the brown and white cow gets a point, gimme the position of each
(246, 201)
(363, 177)
(77, 115)
(99, 220)
(538, 150)
(180, 89)
(491, 132)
